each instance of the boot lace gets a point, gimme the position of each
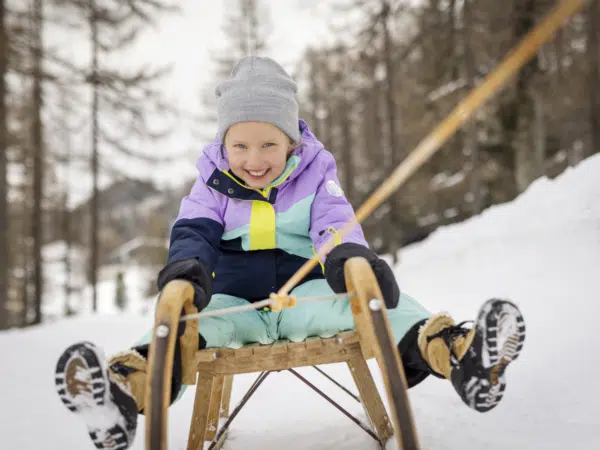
(449, 335)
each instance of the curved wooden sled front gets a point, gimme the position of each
(178, 295)
(370, 317)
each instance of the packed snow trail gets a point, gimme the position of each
(541, 250)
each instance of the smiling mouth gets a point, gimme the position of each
(257, 173)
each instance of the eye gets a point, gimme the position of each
(239, 146)
(269, 144)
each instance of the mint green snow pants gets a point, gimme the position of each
(323, 318)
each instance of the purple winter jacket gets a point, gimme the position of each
(254, 240)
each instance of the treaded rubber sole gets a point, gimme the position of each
(83, 386)
(501, 327)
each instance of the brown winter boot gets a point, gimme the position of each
(130, 368)
(434, 348)
(475, 359)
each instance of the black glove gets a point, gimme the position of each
(334, 271)
(190, 270)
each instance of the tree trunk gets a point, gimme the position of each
(539, 135)
(328, 121)
(345, 112)
(67, 232)
(394, 231)
(25, 284)
(315, 94)
(593, 58)
(562, 135)
(527, 167)
(94, 163)
(252, 12)
(523, 141)
(66, 226)
(453, 41)
(470, 135)
(385, 226)
(37, 138)
(4, 260)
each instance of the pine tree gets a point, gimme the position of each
(246, 27)
(4, 234)
(120, 292)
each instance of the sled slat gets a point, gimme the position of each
(279, 356)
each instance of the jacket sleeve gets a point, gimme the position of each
(330, 210)
(199, 226)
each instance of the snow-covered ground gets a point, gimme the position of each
(136, 282)
(542, 251)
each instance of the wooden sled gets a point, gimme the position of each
(212, 370)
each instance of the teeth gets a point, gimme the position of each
(255, 173)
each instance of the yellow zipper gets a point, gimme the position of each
(337, 241)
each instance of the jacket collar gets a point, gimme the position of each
(226, 183)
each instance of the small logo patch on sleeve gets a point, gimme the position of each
(334, 189)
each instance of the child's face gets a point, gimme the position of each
(257, 152)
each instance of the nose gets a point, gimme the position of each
(254, 159)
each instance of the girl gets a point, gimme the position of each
(267, 197)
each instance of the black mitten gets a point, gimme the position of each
(334, 271)
(190, 270)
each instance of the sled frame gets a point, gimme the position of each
(212, 370)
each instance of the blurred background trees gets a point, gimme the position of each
(403, 67)
(75, 118)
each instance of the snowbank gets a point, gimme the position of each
(541, 250)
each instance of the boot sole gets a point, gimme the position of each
(80, 366)
(502, 329)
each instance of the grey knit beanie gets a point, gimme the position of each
(259, 90)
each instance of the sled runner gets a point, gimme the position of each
(212, 370)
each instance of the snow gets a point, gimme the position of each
(136, 280)
(55, 277)
(446, 89)
(443, 180)
(541, 250)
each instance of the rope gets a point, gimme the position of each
(431, 143)
(261, 304)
